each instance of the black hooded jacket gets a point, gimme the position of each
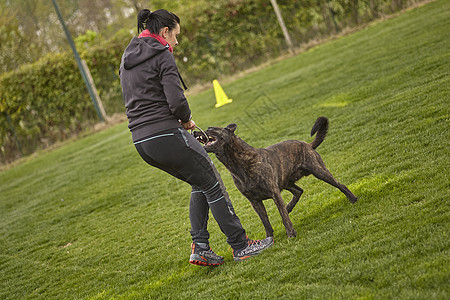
(151, 88)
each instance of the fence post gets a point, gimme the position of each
(77, 58)
(283, 26)
(94, 90)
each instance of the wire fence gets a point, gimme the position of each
(216, 41)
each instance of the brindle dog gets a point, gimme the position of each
(262, 173)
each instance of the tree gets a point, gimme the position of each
(30, 29)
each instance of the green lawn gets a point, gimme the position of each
(90, 220)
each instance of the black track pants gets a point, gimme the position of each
(178, 153)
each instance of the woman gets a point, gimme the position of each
(159, 115)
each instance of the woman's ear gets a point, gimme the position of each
(164, 32)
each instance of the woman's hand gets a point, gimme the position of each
(190, 125)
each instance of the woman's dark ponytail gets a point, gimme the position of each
(155, 21)
(142, 19)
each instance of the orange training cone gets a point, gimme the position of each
(221, 97)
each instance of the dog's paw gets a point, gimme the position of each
(292, 233)
(353, 200)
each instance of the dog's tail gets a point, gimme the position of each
(321, 127)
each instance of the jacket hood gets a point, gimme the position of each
(140, 50)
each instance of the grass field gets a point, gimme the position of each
(90, 220)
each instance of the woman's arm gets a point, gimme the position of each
(170, 82)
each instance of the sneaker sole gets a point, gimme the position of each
(248, 256)
(198, 260)
(244, 257)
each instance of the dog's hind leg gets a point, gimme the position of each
(260, 209)
(296, 193)
(320, 171)
(290, 231)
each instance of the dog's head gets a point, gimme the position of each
(216, 137)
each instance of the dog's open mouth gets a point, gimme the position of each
(203, 139)
(212, 140)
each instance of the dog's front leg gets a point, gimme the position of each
(260, 209)
(290, 231)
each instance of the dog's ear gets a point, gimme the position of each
(231, 127)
